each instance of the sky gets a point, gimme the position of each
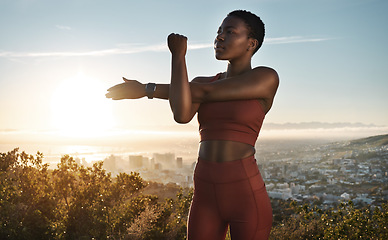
(57, 58)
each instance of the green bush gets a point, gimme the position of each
(343, 222)
(77, 202)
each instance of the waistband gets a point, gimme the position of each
(225, 172)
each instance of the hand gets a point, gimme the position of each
(177, 44)
(130, 89)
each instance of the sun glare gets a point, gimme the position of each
(80, 109)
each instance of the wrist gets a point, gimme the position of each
(150, 89)
(178, 56)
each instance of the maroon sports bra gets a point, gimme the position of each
(238, 120)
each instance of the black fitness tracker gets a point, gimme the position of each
(150, 90)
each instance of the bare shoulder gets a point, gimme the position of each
(266, 71)
(202, 79)
(266, 74)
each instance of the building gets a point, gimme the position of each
(167, 160)
(110, 163)
(135, 161)
(179, 162)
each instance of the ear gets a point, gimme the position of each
(253, 43)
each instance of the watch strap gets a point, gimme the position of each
(150, 90)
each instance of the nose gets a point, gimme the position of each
(220, 36)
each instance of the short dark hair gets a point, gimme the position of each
(254, 24)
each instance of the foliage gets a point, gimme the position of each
(343, 222)
(27, 199)
(77, 202)
(70, 202)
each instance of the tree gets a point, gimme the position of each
(77, 202)
(70, 202)
(27, 205)
(343, 222)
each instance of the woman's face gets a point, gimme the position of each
(232, 41)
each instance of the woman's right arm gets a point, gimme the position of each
(132, 89)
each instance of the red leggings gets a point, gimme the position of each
(229, 194)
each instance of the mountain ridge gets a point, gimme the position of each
(317, 125)
(375, 141)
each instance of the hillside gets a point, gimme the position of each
(374, 141)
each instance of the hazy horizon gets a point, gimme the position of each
(181, 143)
(341, 130)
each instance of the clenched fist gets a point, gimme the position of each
(177, 44)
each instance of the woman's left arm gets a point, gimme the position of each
(259, 83)
(179, 95)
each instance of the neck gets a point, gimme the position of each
(237, 68)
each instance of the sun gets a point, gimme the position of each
(79, 107)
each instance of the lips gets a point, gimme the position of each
(218, 46)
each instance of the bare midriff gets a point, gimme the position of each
(224, 151)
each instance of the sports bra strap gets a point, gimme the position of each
(216, 77)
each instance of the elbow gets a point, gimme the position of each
(181, 112)
(181, 119)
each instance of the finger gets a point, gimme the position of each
(110, 95)
(181, 36)
(114, 98)
(111, 88)
(117, 86)
(176, 35)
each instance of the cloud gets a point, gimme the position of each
(131, 49)
(200, 46)
(95, 53)
(293, 39)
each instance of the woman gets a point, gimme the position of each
(228, 187)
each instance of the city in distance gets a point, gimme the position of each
(301, 170)
(182, 140)
(311, 161)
